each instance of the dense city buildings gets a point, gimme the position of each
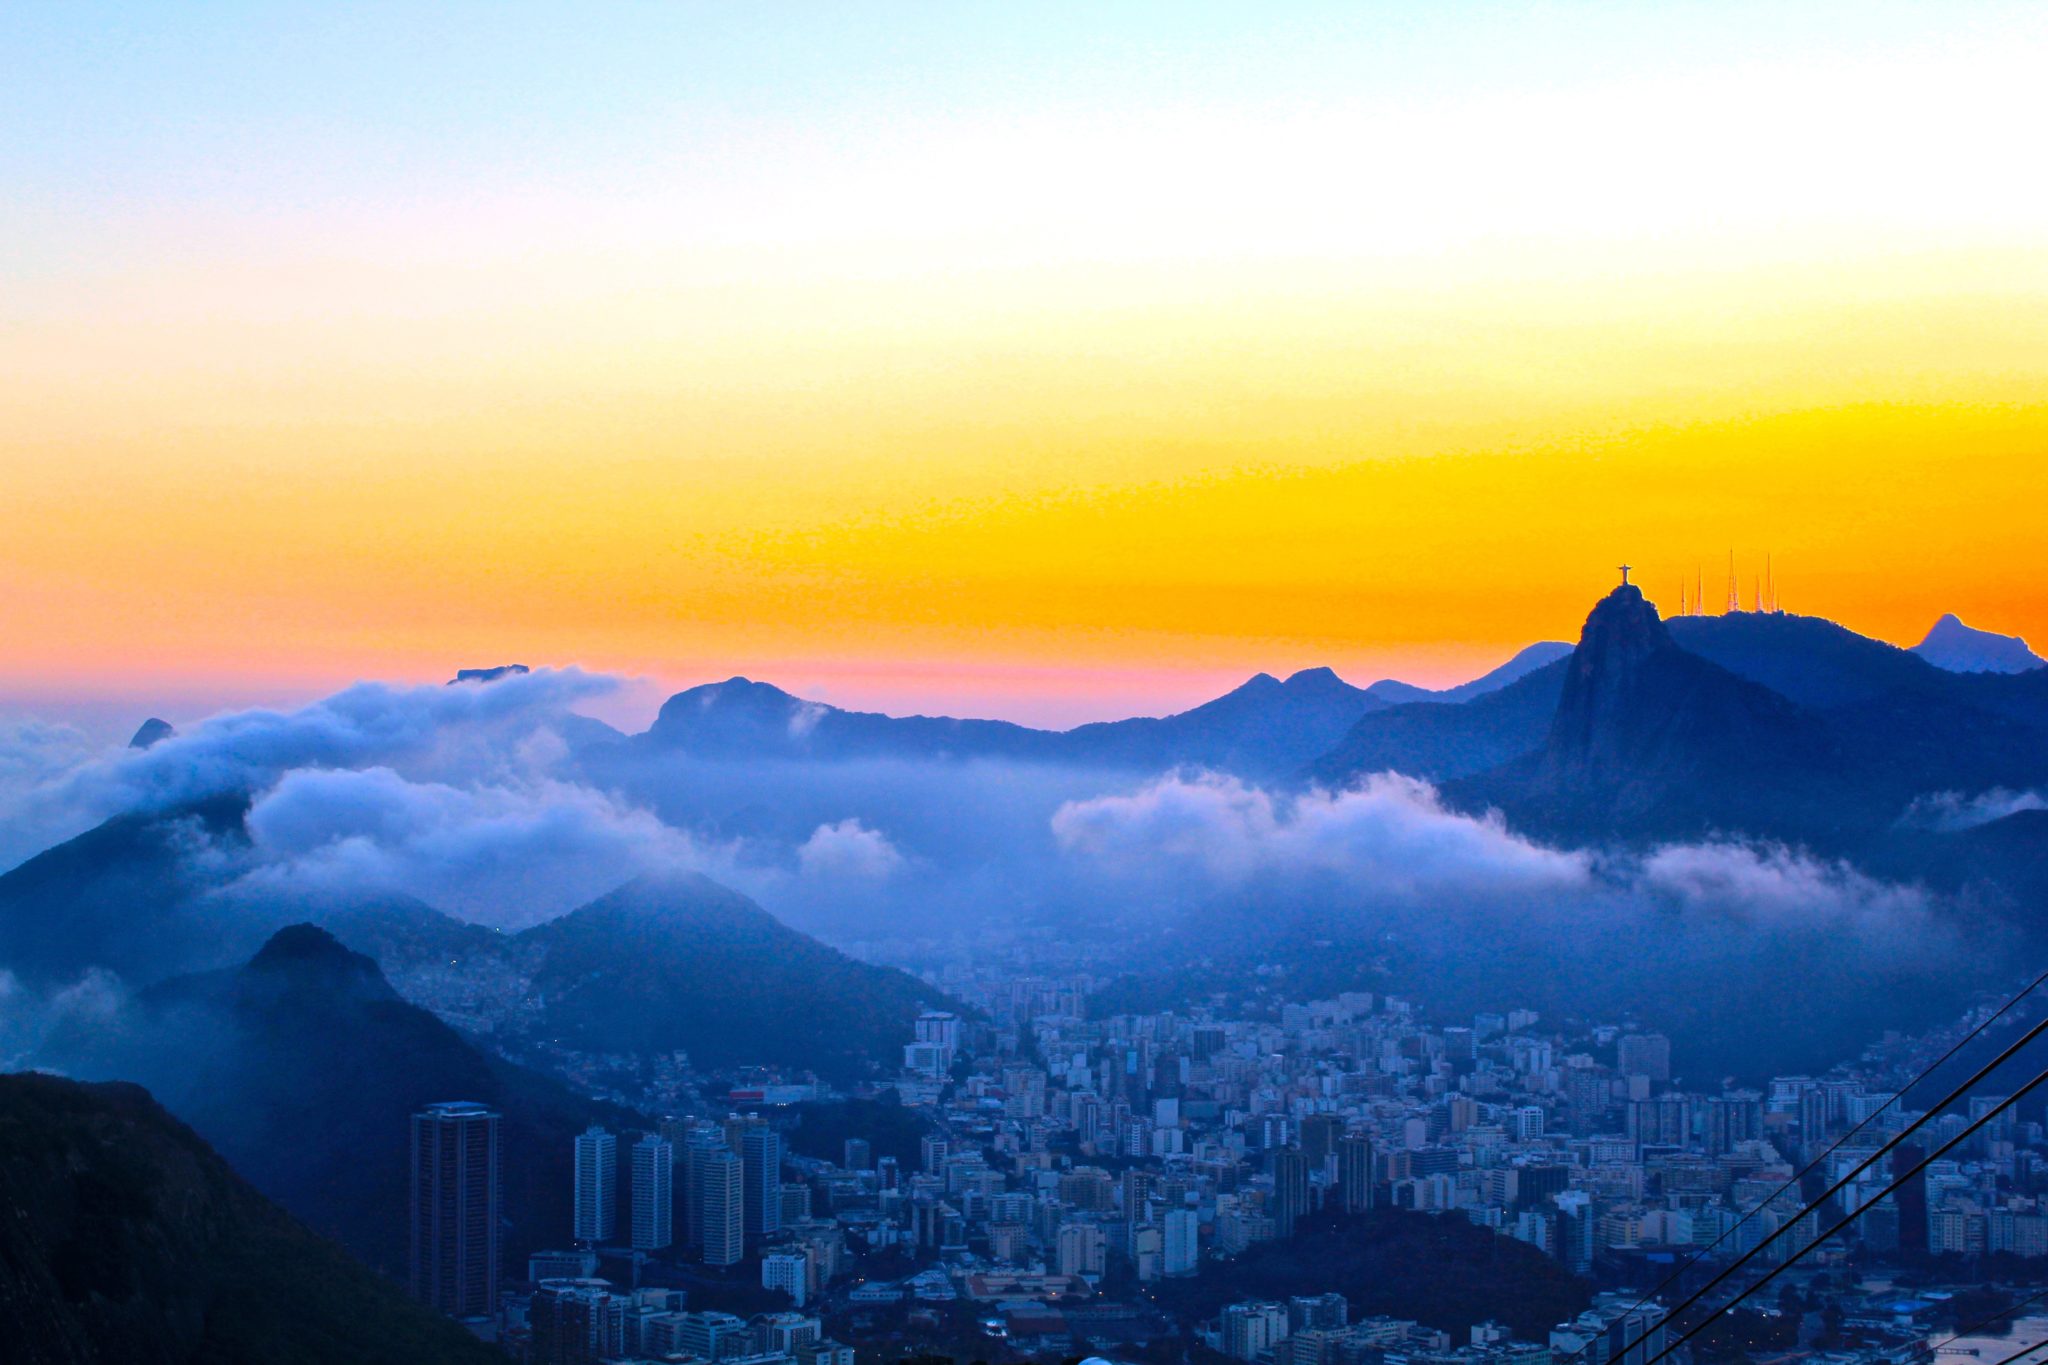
(1057, 1166)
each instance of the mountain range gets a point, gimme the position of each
(1760, 726)
(1265, 727)
(672, 964)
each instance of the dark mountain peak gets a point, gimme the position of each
(736, 702)
(306, 960)
(484, 675)
(1603, 685)
(1652, 737)
(1256, 685)
(1624, 625)
(151, 731)
(680, 962)
(741, 689)
(1317, 680)
(665, 903)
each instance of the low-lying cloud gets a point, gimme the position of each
(506, 854)
(53, 785)
(1391, 844)
(848, 849)
(1949, 812)
(1391, 834)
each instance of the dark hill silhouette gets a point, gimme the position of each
(1445, 1273)
(303, 1068)
(1775, 726)
(123, 895)
(1526, 661)
(1439, 742)
(1963, 649)
(1649, 739)
(128, 1239)
(1262, 727)
(682, 963)
(151, 731)
(1808, 659)
(741, 718)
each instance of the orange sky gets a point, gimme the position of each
(1046, 402)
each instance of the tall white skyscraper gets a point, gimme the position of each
(597, 1185)
(654, 1193)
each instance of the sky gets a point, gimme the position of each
(1051, 362)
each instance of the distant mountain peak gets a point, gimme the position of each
(152, 731)
(306, 958)
(1316, 679)
(1609, 687)
(1961, 648)
(484, 675)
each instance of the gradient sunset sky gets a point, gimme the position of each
(1053, 362)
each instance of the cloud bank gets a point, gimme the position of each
(1391, 844)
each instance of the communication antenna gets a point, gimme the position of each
(1734, 603)
(1698, 609)
(1770, 592)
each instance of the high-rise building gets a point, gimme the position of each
(788, 1271)
(1354, 1172)
(455, 1208)
(860, 1155)
(1318, 1312)
(761, 1151)
(576, 1322)
(1290, 1190)
(1252, 1329)
(718, 1201)
(1319, 1137)
(932, 1151)
(700, 1142)
(654, 1193)
(597, 1186)
(1644, 1054)
(1575, 1227)
(1180, 1248)
(1080, 1249)
(1733, 1119)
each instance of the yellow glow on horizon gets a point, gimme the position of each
(1382, 374)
